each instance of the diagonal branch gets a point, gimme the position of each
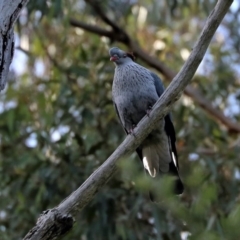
(55, 222)
(92, 28)
(96, 6)
(118, 34)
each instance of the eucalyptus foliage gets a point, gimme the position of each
(57, 123)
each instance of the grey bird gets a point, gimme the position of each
(135, 90)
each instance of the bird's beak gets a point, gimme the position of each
(113, 58)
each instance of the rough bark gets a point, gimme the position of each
(9, 12)
(55, 222)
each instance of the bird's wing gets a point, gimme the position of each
(116, 109)
(169, 128)
(158, 84)
(138, 150)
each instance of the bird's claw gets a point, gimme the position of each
(131, 131)
(148, 111)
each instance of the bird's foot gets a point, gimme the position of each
(131, 130)
(148, 111)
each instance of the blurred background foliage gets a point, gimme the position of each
(57, 122)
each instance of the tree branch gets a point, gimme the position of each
(9, 12)
(120, 35)
(96, 6)
(92, 28)
(55, 222)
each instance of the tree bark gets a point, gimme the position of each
(55, 222)
(9, 13)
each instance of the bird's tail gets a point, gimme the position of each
(158, 160)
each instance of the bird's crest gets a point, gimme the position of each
(130, 54)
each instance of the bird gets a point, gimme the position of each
(135, 90)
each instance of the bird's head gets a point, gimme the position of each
(120, 57)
